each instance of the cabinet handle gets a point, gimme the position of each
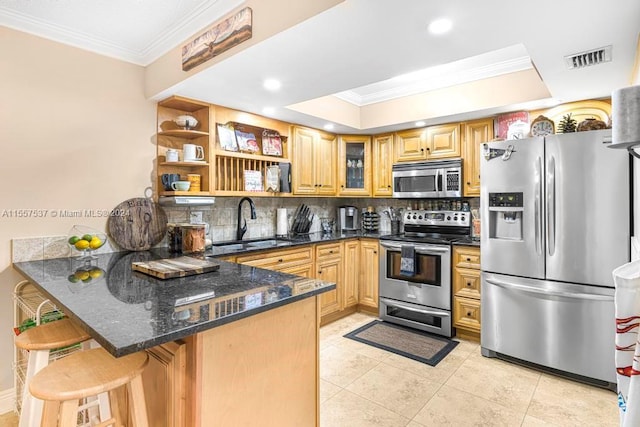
(342, 186)
(422, 149)
(428, 149)
(330, 252)
(468, 314)
(388, 186)
(469, 284)
(468, 183)
(280, 260)
(375, 252)
(319, 272)
(468, 259)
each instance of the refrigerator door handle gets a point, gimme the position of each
(538, 206)
(551, 206)
(538, 291)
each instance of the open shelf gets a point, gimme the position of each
(251, 156)
(182, 133)
(185, 193)
(184, 164)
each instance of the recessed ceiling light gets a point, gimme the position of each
(421, 123)
(328, 126)
(272, 84)
(268, 111)
(440, 26)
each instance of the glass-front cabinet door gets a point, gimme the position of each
(354, 165)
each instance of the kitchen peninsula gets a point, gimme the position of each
(238, 346)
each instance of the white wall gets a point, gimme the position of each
(76, 132)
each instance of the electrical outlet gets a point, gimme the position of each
(195, 217)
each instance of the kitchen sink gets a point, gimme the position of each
(252, 244)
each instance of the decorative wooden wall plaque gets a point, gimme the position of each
(221, 37)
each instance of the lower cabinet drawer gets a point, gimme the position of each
(466, 313)
(276, 260)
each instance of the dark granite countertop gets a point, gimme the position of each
(127, 311)
(252, 245)
(467, 242)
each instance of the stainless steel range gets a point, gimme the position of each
(421, 297)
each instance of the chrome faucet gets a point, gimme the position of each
(243, 228)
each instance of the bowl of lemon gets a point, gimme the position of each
(86, 240)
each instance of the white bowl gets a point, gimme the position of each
(186, 121)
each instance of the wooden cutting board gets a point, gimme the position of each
(175, 267)
(137, 224)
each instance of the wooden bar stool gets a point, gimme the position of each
(39, 341)
(89, 373)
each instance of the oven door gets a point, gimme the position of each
(430, 286)
(416, 316)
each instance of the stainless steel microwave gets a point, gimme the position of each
(429, 179)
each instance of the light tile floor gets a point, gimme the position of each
(364, 386)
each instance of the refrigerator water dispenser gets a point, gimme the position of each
(505, 216)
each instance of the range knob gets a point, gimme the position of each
(408, 216)
(455, 218)
(448, 218)
(420, 217)
(414, 216)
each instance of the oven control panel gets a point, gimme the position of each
(445, 218)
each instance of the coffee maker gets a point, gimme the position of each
(348, 218)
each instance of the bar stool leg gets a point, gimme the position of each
(69, 413)
(31, 412)
(138, 404)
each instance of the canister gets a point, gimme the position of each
(193, 237)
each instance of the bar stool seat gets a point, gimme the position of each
(89, 373)
(40, 341)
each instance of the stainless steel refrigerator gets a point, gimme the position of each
(555, 222)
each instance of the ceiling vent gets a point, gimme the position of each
(588, 58)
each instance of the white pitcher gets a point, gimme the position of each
(192, 152)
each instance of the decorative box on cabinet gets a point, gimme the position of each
(466, 291)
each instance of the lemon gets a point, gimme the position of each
(84, 275)
(87, 280)
(95, 243)
(73, 240)
(95, 273)
(82, 244)
(87, 237)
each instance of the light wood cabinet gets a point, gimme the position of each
(443, 141)
(368, 289)
(382, 164)
(298, 259)
(466, 290)
(352, 268)
(354, 165)
(430, 143)
(329, 268)
(411, 145)
(315, 157)
(475, 133)
(171, 137)
(166, 386)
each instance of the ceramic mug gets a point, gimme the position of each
(168, 179)
(192, 152)
(172, 155)
(180, 185)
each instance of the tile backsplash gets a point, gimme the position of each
(222, 220)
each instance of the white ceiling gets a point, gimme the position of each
(353, 45)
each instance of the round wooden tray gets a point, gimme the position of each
(137, 224)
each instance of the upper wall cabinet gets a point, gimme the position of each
(382, 164)
(172, 138)
(314, 161)
(354, 165)
(475, 133)
(433, 142)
